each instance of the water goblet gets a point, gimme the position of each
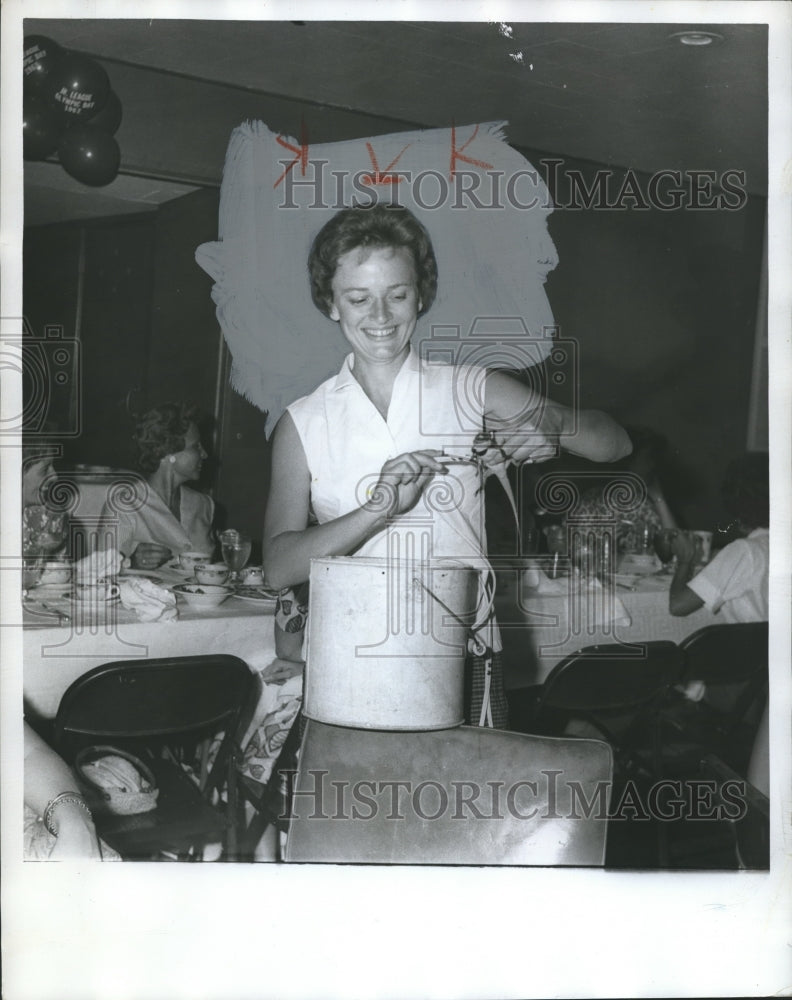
(663, 546)
(236, 549)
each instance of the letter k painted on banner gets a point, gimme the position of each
(458, 153)
(301, 153)
(382, 176)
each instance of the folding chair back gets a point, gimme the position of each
(607, 679)
(138, 698)
(732, 661)
(725, 654)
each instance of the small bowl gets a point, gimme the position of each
(216, 573)
(56, 571)
(202, 595)
(187, 560)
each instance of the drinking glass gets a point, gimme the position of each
(236, 551)
(663, 546)
(32, 570)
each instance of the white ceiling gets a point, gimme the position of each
(625, 95)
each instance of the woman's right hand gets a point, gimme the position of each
(150, 555)
(402, 480)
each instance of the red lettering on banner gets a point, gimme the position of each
(458, 153)
(381, 176)
(301, 153)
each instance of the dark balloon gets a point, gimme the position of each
(90, 155)
(109, 118)
(78, 87)
(41, 55)
(41, 128)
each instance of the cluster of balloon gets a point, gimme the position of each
(70, 107)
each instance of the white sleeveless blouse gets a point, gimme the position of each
(346, 441)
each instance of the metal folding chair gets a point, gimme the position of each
(156, 709)
(732, 662)
(615, 691)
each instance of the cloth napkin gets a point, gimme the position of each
(149, 602)
(98, 565)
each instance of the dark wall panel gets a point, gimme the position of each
(115, 334)
(662, 306)
(51, 304)
(187, 353)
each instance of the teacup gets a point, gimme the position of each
(211, 573)
(96, 590)
(187, 560)
(56, 571)
(253, 576)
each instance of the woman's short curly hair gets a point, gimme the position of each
(161, 431)
(374, 227)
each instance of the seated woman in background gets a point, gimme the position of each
(735, 582)
(45, 530)
(173, 517)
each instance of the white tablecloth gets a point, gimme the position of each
(56, 654)
(539, 630)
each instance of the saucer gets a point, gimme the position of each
(70, 595)
(145, 574)
(258, 594)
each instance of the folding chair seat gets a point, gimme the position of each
(160, 710)
(466, 795)
(732, 662)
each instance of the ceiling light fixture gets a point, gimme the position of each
(697, 37)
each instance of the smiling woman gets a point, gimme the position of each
(365, 454)
(375, 302)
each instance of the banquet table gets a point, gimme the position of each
(61, 639)
(540, 628)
